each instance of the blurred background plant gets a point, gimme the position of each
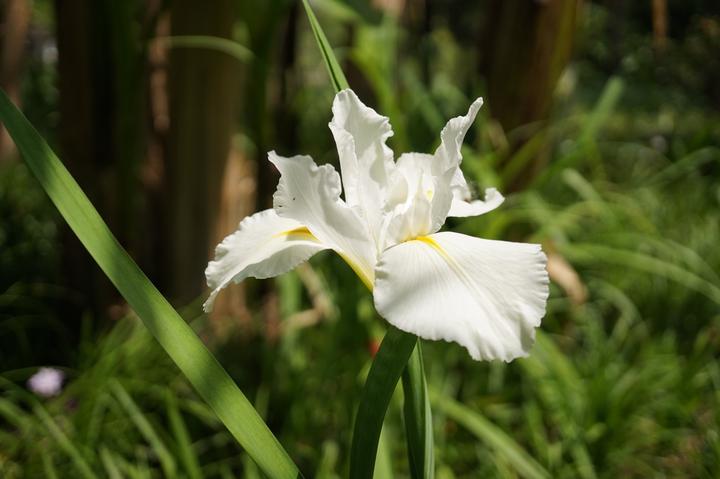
(602, 120)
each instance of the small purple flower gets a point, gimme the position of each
(47, 382)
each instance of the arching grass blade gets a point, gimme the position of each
(492, 436)
(336, 74)
(172, 332)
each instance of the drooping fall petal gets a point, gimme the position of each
(488, 296)
(263, 246)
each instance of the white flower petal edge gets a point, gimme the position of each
(462, 209)
(449, 156)
(310, 194)
(488, 296)
(264, 245)
(451, 138)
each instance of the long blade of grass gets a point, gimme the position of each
(111, 467)
(48, 465)
(336, 74)
(182, 438)
(591, 127)
(135, 470)
(418, 418)
(384, 374)
(177, 338)
(64, 442)
(209, 42)
(493, 436)
(565, 396)
(328, 461)
(586, 253)
(167, 462)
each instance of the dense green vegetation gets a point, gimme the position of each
(619, 183)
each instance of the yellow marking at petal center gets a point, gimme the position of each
(367, 281)
(462, 274)
(304, 232)
(436, 246)
(300, 231)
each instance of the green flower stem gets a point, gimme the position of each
(390, 361)
(389, 364)
(418, 417)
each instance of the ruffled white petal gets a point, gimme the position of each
(360, 134)
(488, 296)
(448, 156)
(366, 162)
(310, 195)
(263, 246)
(462, 208)
(451, 138)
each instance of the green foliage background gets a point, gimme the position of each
(625, 383)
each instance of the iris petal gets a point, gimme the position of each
(310, 195)
(461, 208)
(366, 162)
(263, 246)
(488, 296)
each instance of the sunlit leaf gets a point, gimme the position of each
(336, 74)
(172, 332)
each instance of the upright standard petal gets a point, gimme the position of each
(263, 246)
(488, 296)
(448, 154)
(360, 133)
(366, 162)
(310, 194)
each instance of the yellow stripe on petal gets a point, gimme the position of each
(301, 231)
(263, 246)
(488, 296)
(461, 273)
(434, 245)
(304, 233)
(367, 280)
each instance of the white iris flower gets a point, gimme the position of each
(488, 296)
